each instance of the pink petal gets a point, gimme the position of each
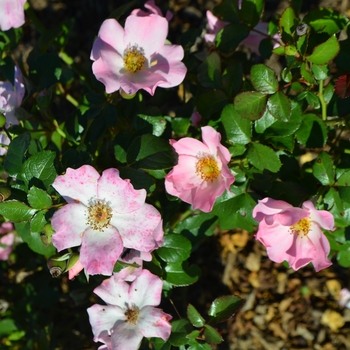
(291, 216)
(11, 14)
(103, 318)
(322, 247)
(148, 33)
(269, 206)
(70, 224)
(113, 291)
(100, 250)
(189, 146)
(204, 196)
(143, 79)
(77, 184)
(108, 69)
(301, 253)
(153, 322)
(324, 218)
(146, 290)
(120, 193)
(126, 337)
(169, 66)
(8, 240)
(74, 271)
(137, 229)
(112, 33)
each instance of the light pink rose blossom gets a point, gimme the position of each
(7, 239)
(11, 14)
(152, 8)
(201, 174)
(215, 25)
(104, 215)
(129, 314)
(4, 141)
(344, 298)
(136, 57)
(252, 42)
(294, 234)
(11, 97)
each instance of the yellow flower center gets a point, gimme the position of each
(132, 314)
(99, 215)
(302, 227)
(207, 168)
(134, 58)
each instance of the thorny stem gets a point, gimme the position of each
(323, 102)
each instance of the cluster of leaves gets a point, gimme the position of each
(286, 133)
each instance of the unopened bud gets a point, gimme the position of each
(5, 193)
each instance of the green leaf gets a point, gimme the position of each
(194, 345)
(325, 20)
(232, 78)
(138, 178)
(263, 79)
(38, 221)
(312, 132)
(343, 256)
(175, 248)
(151, 152)
(236, 212)
(238, 130)
(15, 154)
(320, 72)
(306, 74)
(224, 307)
(279, 106)
(38, 199)
(211, 101)
(158, 123)
(16, 211)
(287, 25)
(263, 157)
(7, 326)
(251, 11)
(323, 169)
(33, 240)
(179, 330)
(212, 336)
(194, 316)
(228, 38)
(325, 52)
(40, 166)
(250, 104)
(209, 72)
(180, 274)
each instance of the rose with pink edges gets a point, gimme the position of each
(201, 174)
(135, 57)
(104, 215)
(294, 234)
(129, 314)
(11, 97)
(7, 239)
(11, 14)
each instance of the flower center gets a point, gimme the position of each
(207, 168)
(99, 214)
(132, 314)
(302, 227)
(134, 58)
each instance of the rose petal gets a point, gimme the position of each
(126, 336)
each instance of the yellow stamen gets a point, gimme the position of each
(302, 227)
(134, 58)
(99, 215)
(132, 314)
(207, 168)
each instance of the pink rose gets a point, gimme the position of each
(152, 8)
(294, 234)
(129, 314)
(7, 239)
(215, 25)
(201, 174)
(11, 97)
(136, 57)
(11, 14)
(104, 215)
